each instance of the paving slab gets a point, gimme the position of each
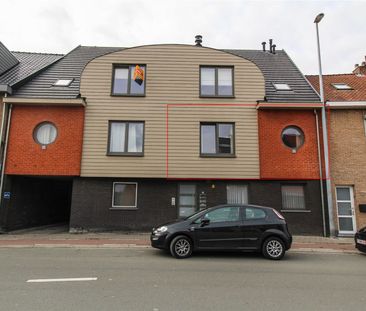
(58, 236)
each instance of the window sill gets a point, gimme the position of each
(128, 95)
(123, 208)
(124, 154)
(217, 155)
(295, 211)
(216, 96)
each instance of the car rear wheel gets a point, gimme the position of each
(273, 248)
(181, 247)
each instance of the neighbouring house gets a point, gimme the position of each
(44, 141)
(132, 137)
(345, 96)
(16, 68)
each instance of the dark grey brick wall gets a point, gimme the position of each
(92, 200)
(35, 202)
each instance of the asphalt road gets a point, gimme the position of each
(148, 279)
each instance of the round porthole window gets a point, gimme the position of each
(45, 133)
(293, 137)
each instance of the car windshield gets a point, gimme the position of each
(199, 213)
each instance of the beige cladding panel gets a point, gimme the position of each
(172, 77)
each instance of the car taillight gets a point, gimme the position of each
(278, 214)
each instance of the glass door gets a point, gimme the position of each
(345, 210)
(187, 204)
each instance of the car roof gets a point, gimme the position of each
(242, 205)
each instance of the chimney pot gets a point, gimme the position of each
(363, 64)
(274, 48)
(270, 45)
(264, 46)
(356, 65)
(198, 40)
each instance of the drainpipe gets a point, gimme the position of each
(320, 172)
(4, 152)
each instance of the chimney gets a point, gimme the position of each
(360, 69)
(274, 48)
(198, 40)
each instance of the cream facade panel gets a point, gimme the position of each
(172, 79)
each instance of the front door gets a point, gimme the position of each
(223, 230)
(345, 210)
(187, 202)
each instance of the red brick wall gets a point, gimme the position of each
(277, 160)
(26, 157)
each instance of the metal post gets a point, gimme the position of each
(325, 141)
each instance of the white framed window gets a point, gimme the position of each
(341, 86)
(282, 87)
(293, 198)
(63, 82)
(124, 195)
(45, 133)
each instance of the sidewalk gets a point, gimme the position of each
(58, 236)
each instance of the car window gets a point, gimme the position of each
(254, 213)
(223, 214)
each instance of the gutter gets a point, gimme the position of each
(46, 101)
(4, 88)
(346, 104)
(279, 105)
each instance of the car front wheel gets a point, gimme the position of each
(273, 248)
(181, 247)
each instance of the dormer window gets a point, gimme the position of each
(342, 86)
(282, 87)
(63, 82)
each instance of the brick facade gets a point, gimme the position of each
(277, 161)
(92, 202)
(61, 158)
(347, 156)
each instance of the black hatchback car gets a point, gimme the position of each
(228, 227)
(360, 240)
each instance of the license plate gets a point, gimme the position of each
(363, 242)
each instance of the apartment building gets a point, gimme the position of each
(138, 136)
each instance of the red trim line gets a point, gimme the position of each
(247, 179)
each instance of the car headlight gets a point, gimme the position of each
(161, 229)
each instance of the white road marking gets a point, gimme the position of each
(62, 280)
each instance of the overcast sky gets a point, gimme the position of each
(59, 26)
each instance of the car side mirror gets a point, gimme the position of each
(205, 222)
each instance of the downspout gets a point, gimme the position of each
(320, 172)
(4, 153)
